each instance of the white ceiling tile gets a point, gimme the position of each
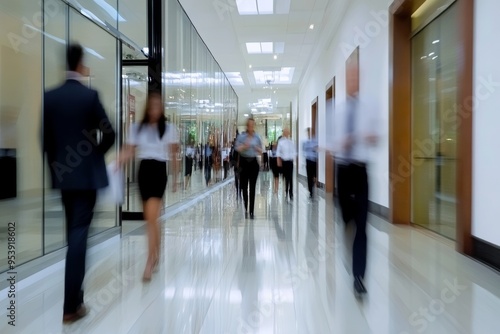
(226, 34)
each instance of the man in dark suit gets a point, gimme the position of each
(72, 119)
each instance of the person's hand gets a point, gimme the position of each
(348, 143)
(371, 139)
(120, 162)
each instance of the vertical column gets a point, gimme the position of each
(155, 37)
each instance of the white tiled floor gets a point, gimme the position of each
(285, 272)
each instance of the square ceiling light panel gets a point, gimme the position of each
(255, 7)
(265, 47)
(285, 76)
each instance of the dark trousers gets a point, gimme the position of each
(208, 171)
(288, 174)
(236, 177)
(311, 174)
(79, 210)
(352, 186)
(226, 168)
(248, 175)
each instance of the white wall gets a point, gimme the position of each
(486, 118)
(364, 24)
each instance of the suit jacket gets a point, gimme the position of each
(72, 118)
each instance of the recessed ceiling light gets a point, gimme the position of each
(265, 47)
(249, 66)
(183, 70)
(436, 41)
(311, 26)
(431, 54)
(246, 115)
(279, 77)
(255, 7)
(275, 57)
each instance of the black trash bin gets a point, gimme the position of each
(8, 173)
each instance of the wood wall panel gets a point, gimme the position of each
(400, 117)
(400, 120)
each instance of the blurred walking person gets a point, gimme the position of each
(310, 148)
(286, 155)
(273, 162)
(355, 132)
(249, 146)
(72, 117)
(154, 142)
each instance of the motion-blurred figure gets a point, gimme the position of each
(72, 117)
(249, 145)
(286, 155)
(355, 132)
(310, 148)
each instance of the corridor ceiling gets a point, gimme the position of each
(263, 46)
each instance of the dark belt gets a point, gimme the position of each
(249, 159)
(352, 163)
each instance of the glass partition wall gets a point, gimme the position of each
(201, 103)
(198, 100)
(33, 39)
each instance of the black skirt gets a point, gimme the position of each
(273, 162)
(152, 179)
(189, 166)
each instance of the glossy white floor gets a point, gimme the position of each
(285, 272)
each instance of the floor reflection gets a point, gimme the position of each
(287, 271)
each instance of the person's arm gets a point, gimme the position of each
(279, 150)
(104, 125)
(128, 151)
(173, 149)
(258, 148)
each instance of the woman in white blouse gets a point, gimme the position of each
(154, 141)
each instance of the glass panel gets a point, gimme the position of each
(55, 72)
(428, 11)
(101, 59)
(199, 101)
(434, 124)
(20, 122)
(103, 12)
(133, 23)
(131, 53)
(134, 90)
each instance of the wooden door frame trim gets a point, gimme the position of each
(400, 168)
(329, 160)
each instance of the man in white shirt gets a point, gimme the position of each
(286, 155)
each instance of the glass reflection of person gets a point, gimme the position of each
(154, 140)
(208, 163)
(249, 276)
(189, 159)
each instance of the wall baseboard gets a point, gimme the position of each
(374, 208)
(379, 210)
(486, 252)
